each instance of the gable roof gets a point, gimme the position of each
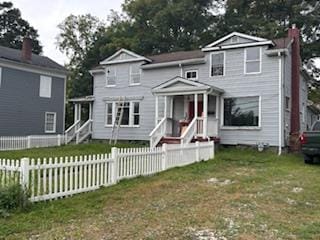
(14, 55)
(135, 57)
(176, 56)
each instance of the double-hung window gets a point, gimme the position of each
(50, 122)
(136, 113)
(252, 60)
(111, 77)
(130, 115)
(191, 74)
(135, 74)
(109, 113)
(241, 112)
(45, 86)
(217, 64)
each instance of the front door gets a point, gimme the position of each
(191, 110)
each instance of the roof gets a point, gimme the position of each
(281, 43)
(176, 56)
(14, 55)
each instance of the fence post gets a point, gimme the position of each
(24, 178)
(164, 157)
(59, 140)
(114, 156)
(197, 151)
(28, 141)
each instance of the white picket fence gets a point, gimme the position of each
(53, 178)
(34, 141)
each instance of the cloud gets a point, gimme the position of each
(45, 15)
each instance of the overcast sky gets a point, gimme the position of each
(45, 15)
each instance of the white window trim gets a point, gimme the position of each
(224, 64)
(240, 127)
(55, 122)
(131, 83)
(245, 62)
(131, 117)
(188, 71)
(115, 75)
(50, 87)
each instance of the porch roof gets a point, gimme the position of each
(82, 99)
(183, 86)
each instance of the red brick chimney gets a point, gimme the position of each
(294, 34)
(26, 52)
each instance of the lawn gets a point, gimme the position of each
(241, 194)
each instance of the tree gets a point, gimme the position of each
(13, 29)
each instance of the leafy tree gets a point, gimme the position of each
(13, 29)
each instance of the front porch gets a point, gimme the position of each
(185, 111)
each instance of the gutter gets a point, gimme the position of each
(174, 63)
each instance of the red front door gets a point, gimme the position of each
(191, 110)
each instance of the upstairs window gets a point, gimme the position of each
(217, 64)
(191, 74)
(253, 60)
(111, 77)
(50, 122)
(135, 74)
(45, 87)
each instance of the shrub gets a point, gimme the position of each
(13, 197)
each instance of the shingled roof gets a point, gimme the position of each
(14, 55)
(281, 43)
(176, 56)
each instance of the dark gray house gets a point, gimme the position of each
(32, 93)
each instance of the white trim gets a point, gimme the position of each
(54, 125)
(224, 64)
(0, 76)
(131, 74)
(280, 106)
(106, 114)
(190, 71)
(137, 57)
(245, 62)
(241, 45)
(222, 126)
(242, 35)
(33, 69)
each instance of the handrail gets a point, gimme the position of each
(194, 120)
(72, 126)
(84, 125)
(87, 126)
(158, 126)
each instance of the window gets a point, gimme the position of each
(45, 86)
(135, 74)
(253, 60)
(130, 117)
(136, 113)
(111, 77)
(217, 64)
(191, 74)
(109, 114)
(50, 122)
(241, 112)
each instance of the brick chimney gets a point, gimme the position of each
(26, 52)
(294, 34)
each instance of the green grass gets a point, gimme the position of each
(257, 203)
(67, 150)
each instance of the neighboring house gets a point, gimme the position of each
(32, 93)
(313, 114)
(239, 89)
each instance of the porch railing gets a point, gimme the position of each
(84, 131)
(158, 132)
(70, 133)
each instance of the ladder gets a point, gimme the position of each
(117, 121)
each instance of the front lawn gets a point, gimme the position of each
(241, 194)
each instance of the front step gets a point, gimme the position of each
(176, 140)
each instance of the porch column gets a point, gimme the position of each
(79, 111)
(205, 115)
(157, 110)
(90, 110)
(165, 106)
(75, 105)
(196, 105)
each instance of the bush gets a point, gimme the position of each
(13, 197)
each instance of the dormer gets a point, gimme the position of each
(236, 40)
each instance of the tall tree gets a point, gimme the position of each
(13, 29)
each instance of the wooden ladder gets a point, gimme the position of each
(117, 121)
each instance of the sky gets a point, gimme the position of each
(45, 15)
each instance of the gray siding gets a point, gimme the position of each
(235, 83)
(22, 111)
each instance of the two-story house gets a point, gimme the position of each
(32, 93)
(240, 89)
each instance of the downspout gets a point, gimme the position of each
(280, 104)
